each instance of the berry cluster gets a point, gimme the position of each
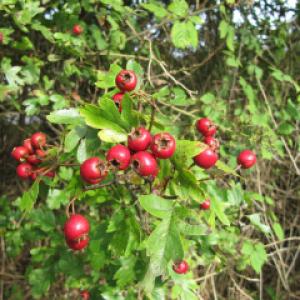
(30, 155)
(209, 156)
(126, 81)
(120, 157)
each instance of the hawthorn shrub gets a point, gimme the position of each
(150, 139)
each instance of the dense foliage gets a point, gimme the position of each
(232, 61)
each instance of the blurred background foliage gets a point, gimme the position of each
(234, 61)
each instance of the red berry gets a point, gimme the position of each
(206, 127)
(76, 227)
(20, 153)
(126, 80)
(38, 140)
(212, 142)
(181, 267)
(205, 205)
(1, 37)
(27, 144)
(33, 175)
(24, 170)
(144, 163)
(119, 157)
(246, 159)
(117, 98)
(35, 159)
(139, 139)
(77, 29)
(206, 159)
(85, 295)
(163, 145)
(79, 244)
(93, 170)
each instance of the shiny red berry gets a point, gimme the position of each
(27, 144)
(139, 139)
(144, 163)
(126, 80)
(117, 98)
(24, 170)
(212, 142)
(206, 159)
(93, 170)
(38, 140)
(85, 295)
(20, 153)
(246, 159)
(76, 227)
(79, 244)
(77, 29)
(163, 145)
(119, 157)
(181, 267)
(206, 127)
(205, 205)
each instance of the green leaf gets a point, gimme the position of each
(73, 137)
(256, 221)
(56, 198)
(40, 280)
(107, 79)
(65, 116)
(218, 208)
(184, 35)
(258, 257)
(127, 113)
(188, 229)
(278, 231)
(156, 8)
(29, 197)
(126, 274)
(156, 205)
(225, 168)
(112, 136)
(179, 8)
(162, 246)
(285, 128)
(185, 151)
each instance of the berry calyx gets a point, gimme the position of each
(76, 228)
(38, 140)
(139, 139)
(212, 142)
(126, 80)
(79, 244)
(246, 159)
(77, 29)
(27, 144)
(205, 205)
(93, 170)
(206, 127)
(163, 145)
(119, 157)
(144, 163)
(206, 159)
(181, 267)
(85, 295)
(20, 153)
(24, 170)
(117, 98)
